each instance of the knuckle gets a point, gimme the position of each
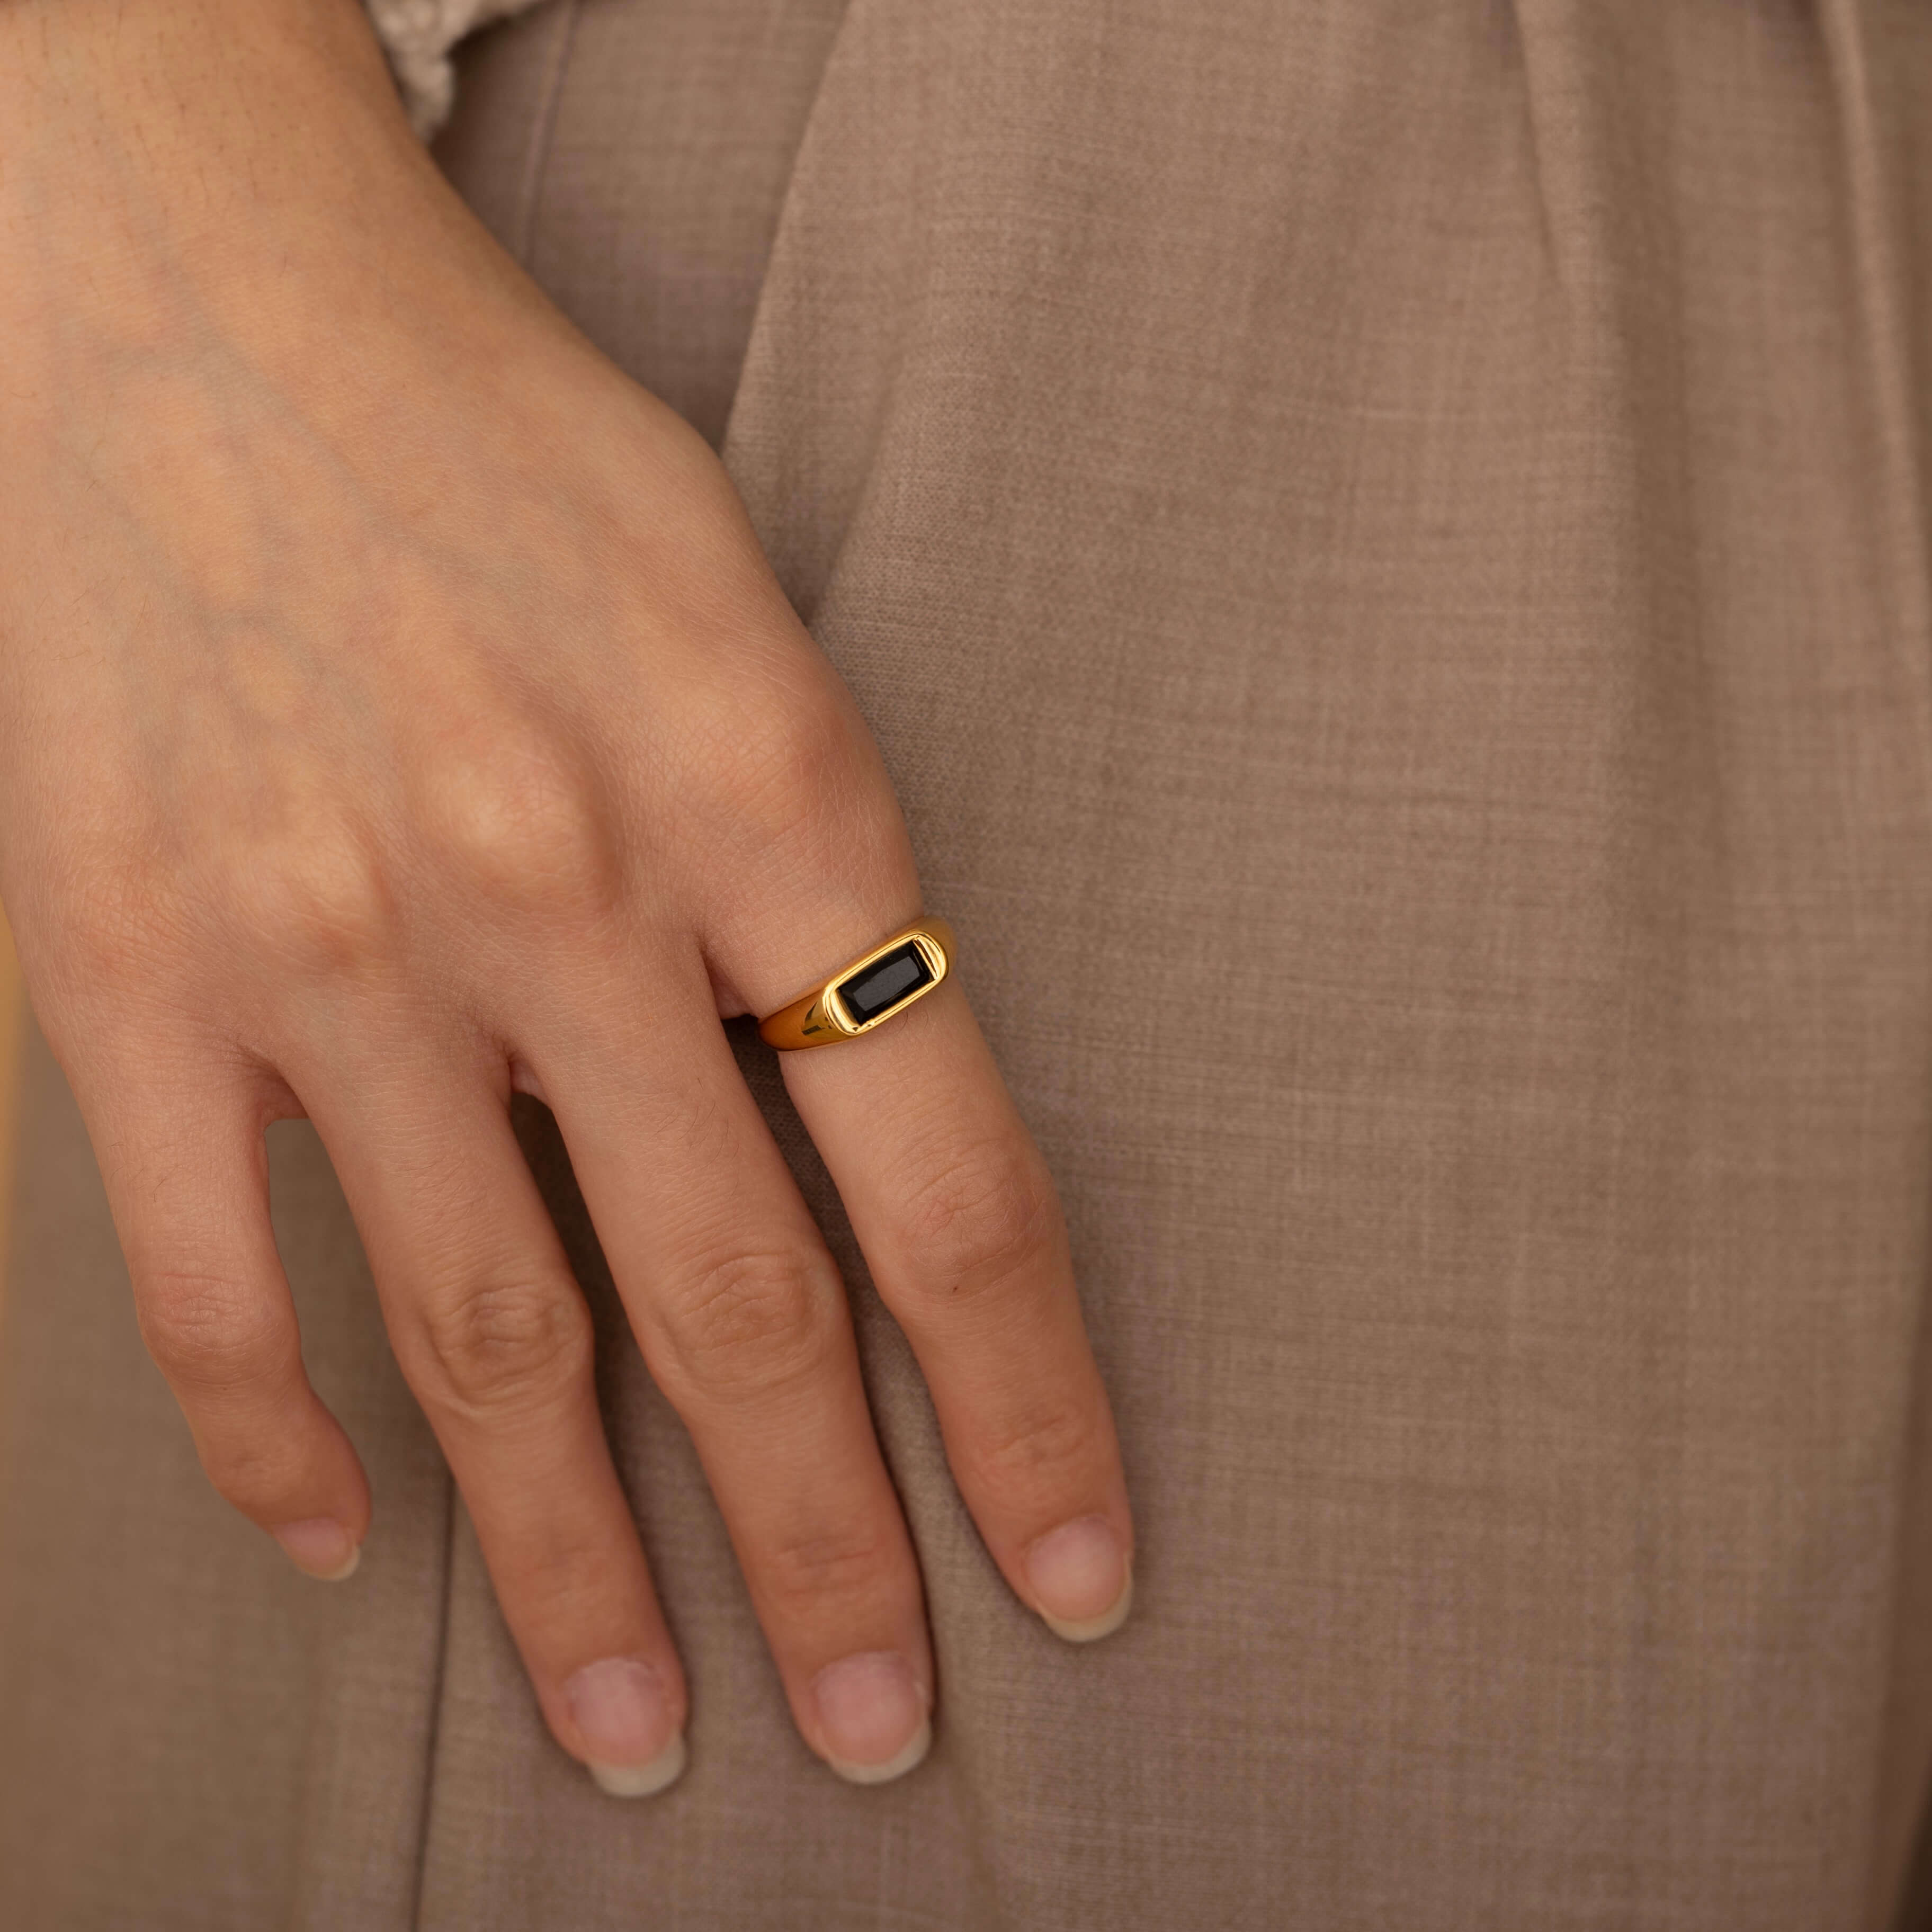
(322, 898)
(228, 1350)
(254, 1472)
(782, 773)
(508, 1346)
(753, 1323)
(211, 1334)
(847, 1564)
(108, 933)
(1041, 1451)
(521, 826)
(802, 751)
(564, 1578)
(981, 1218)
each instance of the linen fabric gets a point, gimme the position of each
(1386, 547)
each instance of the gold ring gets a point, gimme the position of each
(869, 992)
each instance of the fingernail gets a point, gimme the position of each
(319, 1546)
(621, 1711)
(1083, 1585)
(872, 1717)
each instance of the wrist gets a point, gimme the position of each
(175, 174)
(175, 74)
(222, 141)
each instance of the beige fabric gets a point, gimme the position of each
(1386, 547)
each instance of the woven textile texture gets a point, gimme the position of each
(1386, 546)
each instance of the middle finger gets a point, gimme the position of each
(743, 1321)
(494, 1337)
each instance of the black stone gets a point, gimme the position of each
(889, 982)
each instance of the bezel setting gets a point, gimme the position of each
(824, 1015)
(932, 955)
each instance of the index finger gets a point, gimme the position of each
(962, 1227)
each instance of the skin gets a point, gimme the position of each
(396, 711)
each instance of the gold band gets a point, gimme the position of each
(875, 987)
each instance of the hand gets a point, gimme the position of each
(396, 711)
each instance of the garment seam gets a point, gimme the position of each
(433, 1738)
(543, 131)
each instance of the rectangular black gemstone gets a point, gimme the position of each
(889, 982)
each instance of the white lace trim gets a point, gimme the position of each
(418, 35)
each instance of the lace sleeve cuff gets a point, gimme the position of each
(417, 36)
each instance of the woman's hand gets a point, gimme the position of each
(396, 711)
